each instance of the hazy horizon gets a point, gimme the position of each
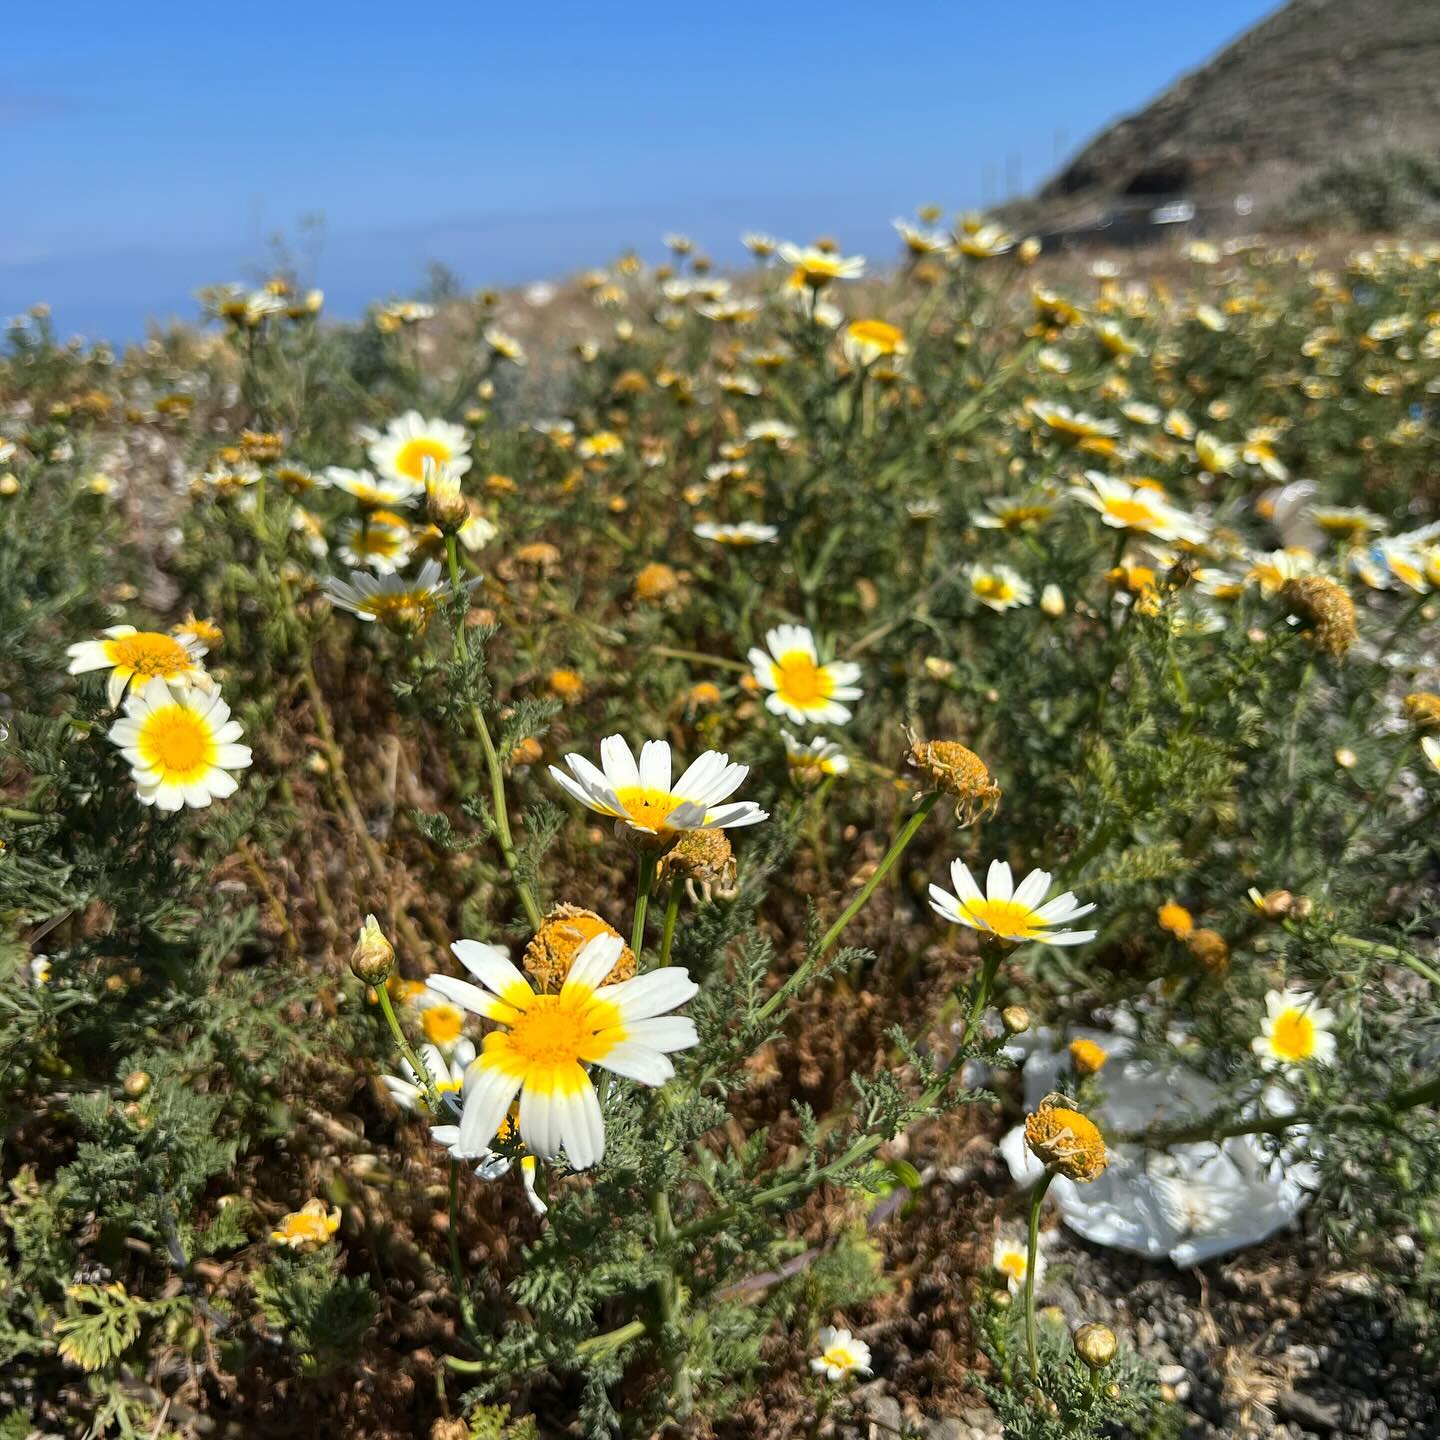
(513, 148)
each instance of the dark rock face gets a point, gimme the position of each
(1318, 81)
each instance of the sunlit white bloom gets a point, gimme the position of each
(1011, 1257)
(544, 1043)
(407, 604)
(1430, 745)
(983, 240)
(1272, 569)
(1295, 1030)
(1071, 424)
(1139, 413)
(643, 798)
(1214, 457)
(775, 432)
(801, 688)
(841, 1355)
(375, 545)
(139, 657)
(396, 493)
(746, 532)
(1015, 914)
(1143, 508)
(998, 587)
(181, 745)
(924, 242)
(819, 267)
(410, 440)
(819, 757)
(504, 344)
(493, 1164)
(1053, 361)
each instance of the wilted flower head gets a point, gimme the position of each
(957, 771)
(1330, 611)
(1065, 1141)
(307, 1228)
(563, 933)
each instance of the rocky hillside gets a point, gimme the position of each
(1318, 82)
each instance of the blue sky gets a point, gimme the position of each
(155, 147)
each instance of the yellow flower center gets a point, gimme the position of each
(1131, 512)
(647, 808)
(1012, 1263)
(841, 1356)
(993, 587)
(1005, 918)
(556, 1031)
(178, 743)
(1017, 516)
(412, 608)
(150, 654)
(441, 1024)
(877, 335)
(410, 458)
(801, 681)
(376, 540)
(1293, 1035)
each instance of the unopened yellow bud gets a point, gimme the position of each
(1095, 1345)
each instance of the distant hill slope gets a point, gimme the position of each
(1317, 82)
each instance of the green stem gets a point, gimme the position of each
(644, 883)
(668, 1293)
(990, 966)
(427, 1081)
(19, 817)
(1037, 1198)
(1387, 952)
(672, 912)
(897, 848)
(611, 1339)
(492, 761)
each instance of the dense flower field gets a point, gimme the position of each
(634, 862)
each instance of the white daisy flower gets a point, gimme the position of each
(408, 604)
(138, 657)
(998, 587)
(819, 267)
(1011, 1257)
(410, 440)
(545, 1042)
(374, 544)
(447, 1075)
(373, 494)
(802, 689)
(1012, 913)
(181, 745)
(746, 532)
(841, 1355)
(1142, 508)
(819, 757)
(643, 798)
(1295, 1030)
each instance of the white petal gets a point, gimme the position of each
(489, 964)
(666, 1033)
(595, 961)
(488, 1093)
(638, 1062)
(652, 993)
(619, 763)
(655, 765)
(999, 884)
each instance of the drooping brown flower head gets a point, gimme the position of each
(956, 771)
(562, 935)
(1330, 611)
(705, 857)
(1065, 1141)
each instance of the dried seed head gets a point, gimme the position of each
(958, 772)
(1210, 949)
(656, 582)
(562, 934)
(1095, 1345)
(373, 957)
(1327, 607)
(1423, 708)
(704, 856)
(1065, 1141)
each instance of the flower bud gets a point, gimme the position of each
(445, 506)
(1015, 1019)
(373, 957)
(1095, 1345)
(1052, 601)
(137, 1082)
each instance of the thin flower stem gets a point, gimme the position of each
(668, 1293)
(1037, 1198)
(611, 1339)
(1387, 952)
(422, 1073)
(644, 883)
(672, 912)
(989, 967)
(700, 658)
(492, 761)
(896, 850)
